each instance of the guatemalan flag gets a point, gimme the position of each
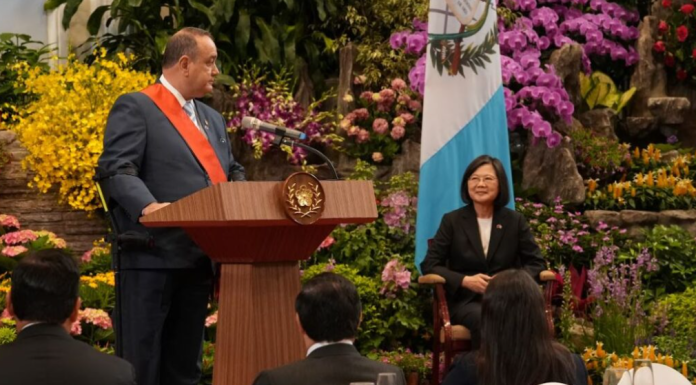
(464, 107)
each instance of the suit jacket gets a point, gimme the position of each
(464, 371)
(456, 250)
(337, 364)
(148, 161)
(45, 354)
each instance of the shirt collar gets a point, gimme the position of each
(173, 90)
(27, 326)
(318, 345)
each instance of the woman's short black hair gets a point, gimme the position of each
(503, 197)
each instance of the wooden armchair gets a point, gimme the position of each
(453, 339)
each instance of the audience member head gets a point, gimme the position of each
(45, 288)
(517, 347)
(189, 62)
(328, 308)
(485, 183)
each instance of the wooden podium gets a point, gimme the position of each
(243, 226)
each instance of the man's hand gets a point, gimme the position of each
(476, 283)
(154, 206)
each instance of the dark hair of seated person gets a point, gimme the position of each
(517, 347)
(45, 286)
(329, 308)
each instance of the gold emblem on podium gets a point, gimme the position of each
(303, 198)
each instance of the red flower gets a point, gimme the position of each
(669, 61)
(682, 33)
(686, 9)
(662, 27)
(659, 46)
(681, 74)
(693, 54)
(666, 3)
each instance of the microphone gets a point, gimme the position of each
(249, 122)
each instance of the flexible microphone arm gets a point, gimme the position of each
(279, 139)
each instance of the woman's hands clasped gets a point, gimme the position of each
(476, 283)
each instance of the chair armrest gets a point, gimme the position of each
(431, 279)
(547, 275)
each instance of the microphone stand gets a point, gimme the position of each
(282, 139)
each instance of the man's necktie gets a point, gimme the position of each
(189, 108)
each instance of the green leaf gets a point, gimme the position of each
(71, 8)
(50, 5)
(135, 3)
(95, 19)
(225, 8)
(242, 31)
(208, 12)
(625, 98)
(320, 10)
(267, 47)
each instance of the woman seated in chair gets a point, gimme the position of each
(478, 241)
(517, 347)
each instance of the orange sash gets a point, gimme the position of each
(197, 142)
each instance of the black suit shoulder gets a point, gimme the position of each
(49, 356)
(336, 365)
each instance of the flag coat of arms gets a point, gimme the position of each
(464, 107)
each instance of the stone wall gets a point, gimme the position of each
(37, 211)
(635, 221)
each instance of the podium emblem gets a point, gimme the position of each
(303, 198)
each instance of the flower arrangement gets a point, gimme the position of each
(599, 157)
(405, 359)
(597, 360)
(382, 122)
(16, 243)
(63, 127)
(619, 316)
(270, 99)
(675, 40)
(651, 184)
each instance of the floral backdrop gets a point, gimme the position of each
(622, 292)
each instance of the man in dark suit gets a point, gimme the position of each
(44, 301)
(161, 145)
(328, 314)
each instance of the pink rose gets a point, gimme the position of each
(366, 95)
(380, 126)
(377, 157)
(415, 105)
(13, 251)
(363, 136)
(398, 84)
(361, 113)
(408, 118)
(398, 132)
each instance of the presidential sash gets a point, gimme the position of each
(196, 141)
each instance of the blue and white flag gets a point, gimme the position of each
(464, 107)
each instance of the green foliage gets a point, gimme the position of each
(97, 292)
(369, 24)
(675, 250)
(100, 262)
(386, 322)
(598, 156)
(406, 360)
(599, 90)
(15, 48)
(7, 335)
(678, 336)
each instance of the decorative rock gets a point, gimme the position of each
(649, 77)
(636, 217)
(553, 172)
(639, 126)
(683, 218)
(566, 129)
(407, 161)
(601, 121)
(669, 110)
(7, 137)
(611, 218)
(567, 62)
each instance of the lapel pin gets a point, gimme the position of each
(499, 226)
(206, 123)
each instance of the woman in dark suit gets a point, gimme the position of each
(478, 241)
(517, 347)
